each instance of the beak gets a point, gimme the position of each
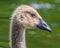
(43, 25)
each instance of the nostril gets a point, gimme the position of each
(44, 24)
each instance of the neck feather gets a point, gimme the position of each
(17, 36)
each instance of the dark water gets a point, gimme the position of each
(35, 38)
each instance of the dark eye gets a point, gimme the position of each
(32, 14)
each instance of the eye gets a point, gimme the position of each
(32, 14)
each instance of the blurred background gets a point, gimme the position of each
(35, 38)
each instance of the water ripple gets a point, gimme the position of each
(32, 32)
(54, 25)
(43, 6)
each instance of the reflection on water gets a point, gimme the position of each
(43, 6)
(57, 1)
(58, 8)
(32, 32)
(49, 36)
(3, 36)
(54, 25)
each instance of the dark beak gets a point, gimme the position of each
(43, 25)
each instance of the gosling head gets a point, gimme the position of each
(28, 17)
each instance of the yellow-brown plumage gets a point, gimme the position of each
(25, 11)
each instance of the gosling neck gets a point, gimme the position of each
(18, 36)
